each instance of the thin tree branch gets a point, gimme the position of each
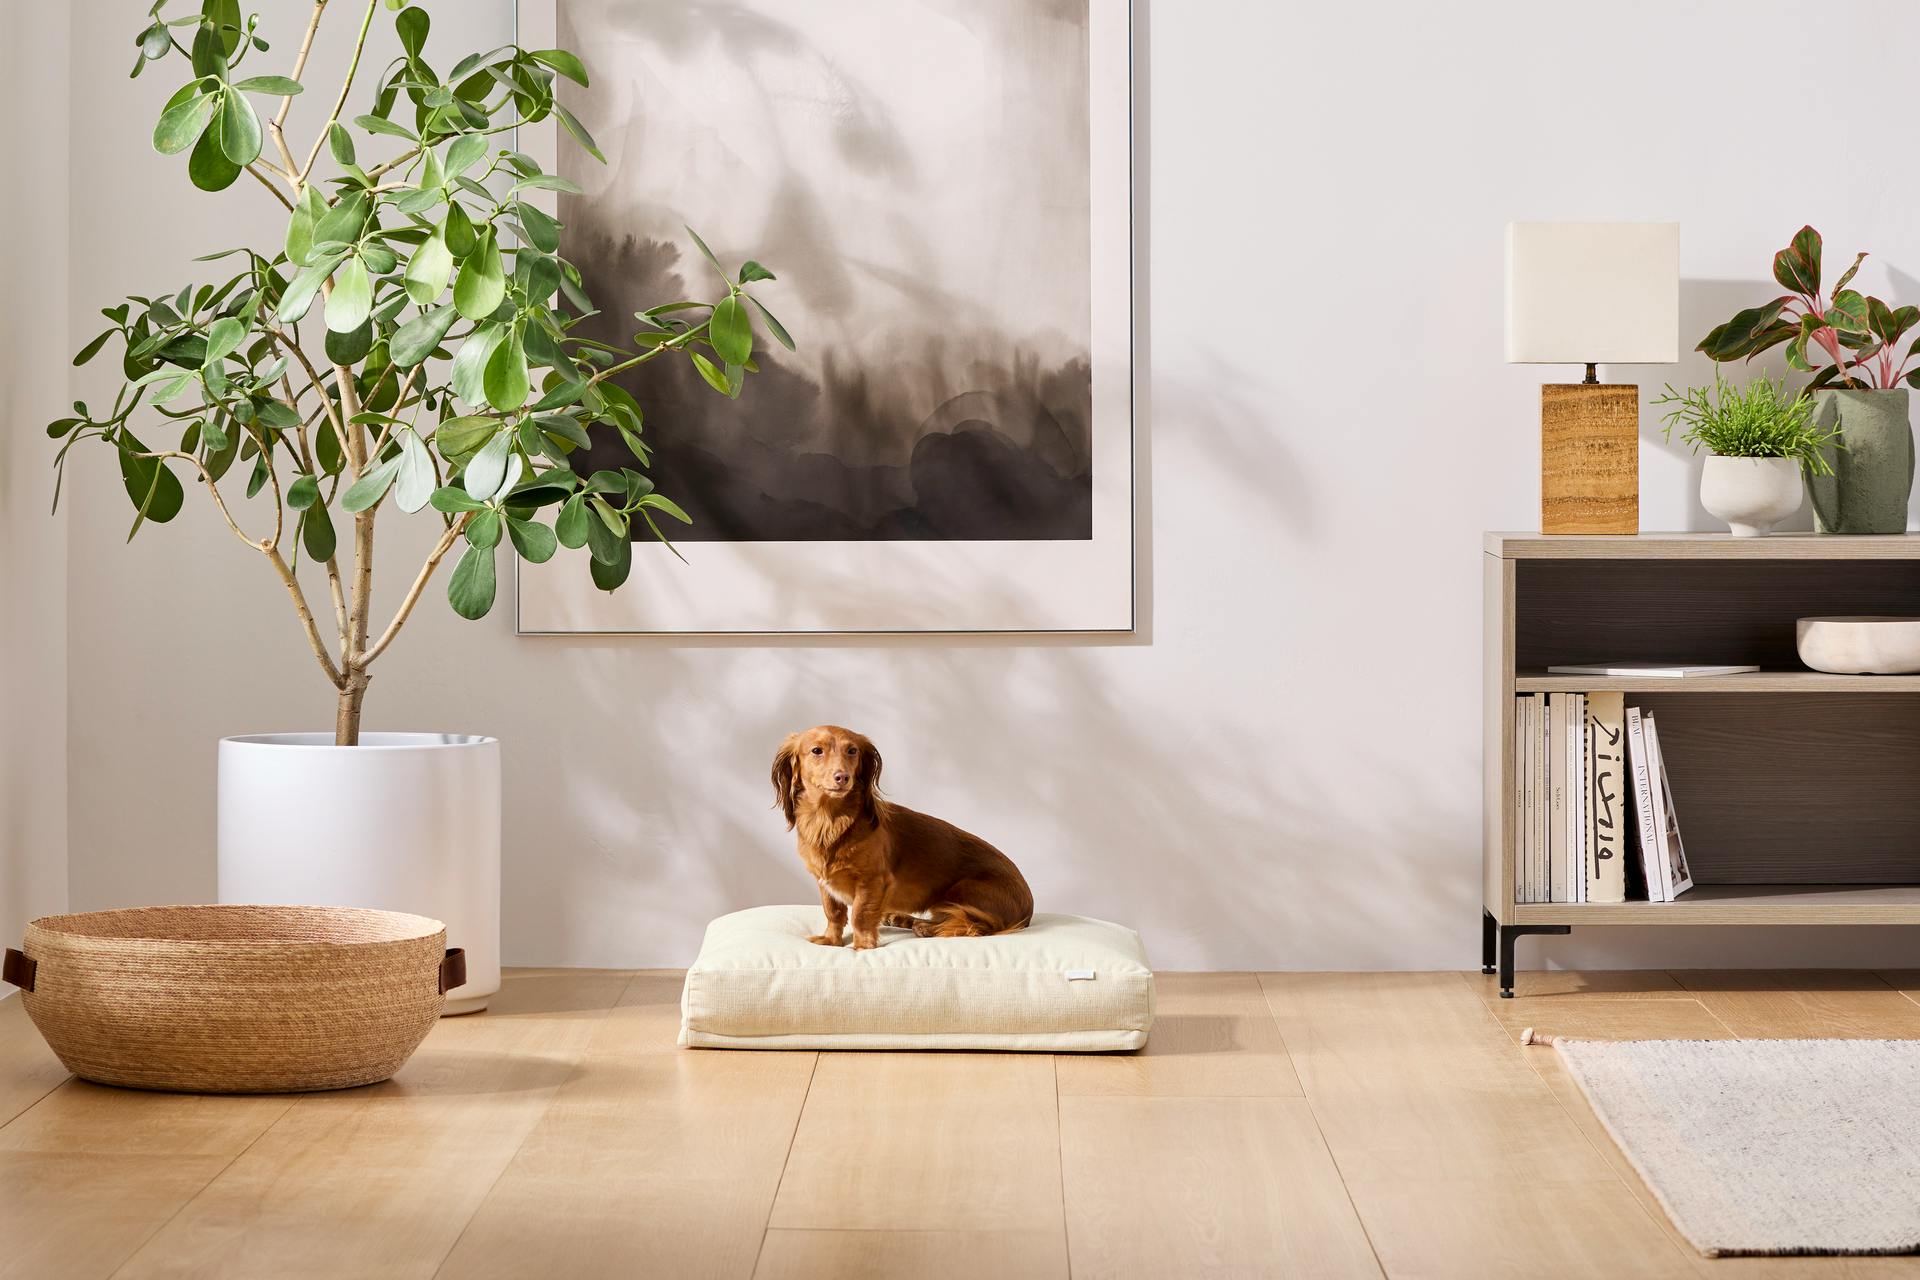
(272, 553)
(275, 126)
(268, 183)
(353, 69)
(434, 558)
(339, 599)
(306, 617)
(389, 166)
(206, 478)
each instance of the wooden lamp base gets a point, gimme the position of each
(1589, 458)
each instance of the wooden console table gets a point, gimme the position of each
(1798, 792)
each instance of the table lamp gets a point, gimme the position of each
(1590, 293)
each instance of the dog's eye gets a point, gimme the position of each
(853, 751)
(819, 751)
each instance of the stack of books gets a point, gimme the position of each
(1593, 808)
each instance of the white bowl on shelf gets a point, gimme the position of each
(1860, 646)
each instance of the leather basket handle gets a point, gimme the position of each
(20, 970)
(453, 969)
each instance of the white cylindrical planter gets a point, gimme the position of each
(402, 822)
(1751, 494)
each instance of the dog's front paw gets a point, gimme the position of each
(867, 943)
(827, 940)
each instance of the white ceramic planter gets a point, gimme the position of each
(1751, 494)
(402, 822)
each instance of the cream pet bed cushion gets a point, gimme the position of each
(1062, 984)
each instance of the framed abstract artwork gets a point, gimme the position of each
(943, 189)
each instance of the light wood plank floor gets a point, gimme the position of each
(1278, 1125)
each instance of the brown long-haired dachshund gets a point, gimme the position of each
(880, 863)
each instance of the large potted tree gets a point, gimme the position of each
(1852, 344)
(409, 349)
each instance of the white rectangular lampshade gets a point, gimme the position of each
(1593, 292)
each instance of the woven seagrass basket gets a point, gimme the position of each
(235, 999)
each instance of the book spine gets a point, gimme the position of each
(1605, 713)
(1577, 799)
(1646, 810)
(1543, 849)
(1524, 872)
(1557, 706)
(1519, 779)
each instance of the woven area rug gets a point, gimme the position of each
(1767, 1146)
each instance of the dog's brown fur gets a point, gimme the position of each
(880, 863)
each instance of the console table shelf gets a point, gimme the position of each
(1797, 790)
(1745, 682)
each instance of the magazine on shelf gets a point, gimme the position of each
(1646, 805)
(1675, 876)
(1657, 670)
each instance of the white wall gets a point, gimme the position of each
(33, 545)
(1281, 769)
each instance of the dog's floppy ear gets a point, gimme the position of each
(869, 781)
(786, 777)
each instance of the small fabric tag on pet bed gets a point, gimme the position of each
(1064, 984)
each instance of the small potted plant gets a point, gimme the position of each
(1850, 343)
(1760, 439)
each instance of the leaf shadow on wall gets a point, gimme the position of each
(1130, 783)
(1214, 838)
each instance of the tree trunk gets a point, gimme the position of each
(346, 721)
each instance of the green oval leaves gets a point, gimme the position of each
(565, 63)
(223, 339)
(340, 143)
(506, 381)
(370, 487)
(470, 362)
(412, 23)
(155, 491)
(732, 332)
(430, 268)
(351, 301)
(571, 524)
(181, 125)
(470, 591)
(483, 279)
(208, 167)
(413, 485)
(458, 229)
(534, 541)
(278, 86)
(415, 340)
(483, 530)
(488, 471)
(316, 533)
(458, 437)
(239, 129)
(464, 153)
(342, 224)
(543, 231)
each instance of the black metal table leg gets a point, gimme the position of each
(1489, 940)
(1508, 934)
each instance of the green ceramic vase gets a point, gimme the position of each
(1873, 475)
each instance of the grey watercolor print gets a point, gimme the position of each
(917, 173)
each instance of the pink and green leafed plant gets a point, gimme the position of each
(1845, 339)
